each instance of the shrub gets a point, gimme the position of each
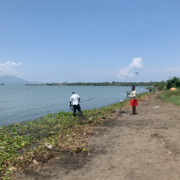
(169, 85)
(172, 82)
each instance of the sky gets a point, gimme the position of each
(90, 41)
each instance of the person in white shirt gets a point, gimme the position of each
(133, 100)
(74, 101)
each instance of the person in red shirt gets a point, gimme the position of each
(133, 100)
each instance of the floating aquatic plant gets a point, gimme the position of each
(20, 142)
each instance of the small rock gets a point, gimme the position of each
(122, 110)
(169, 152)
(156, 106)
(48, 146)
(35, 162)
(21, 157)
(12, 168)
(57, 158)
(117, 110)
(84, 134)
(164, 143)
(90, 118)
(154, 134)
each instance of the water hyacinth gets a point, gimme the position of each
(20, 142)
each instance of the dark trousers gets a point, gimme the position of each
(77, 107)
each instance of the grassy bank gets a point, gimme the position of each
(21, 144)
(171, 96)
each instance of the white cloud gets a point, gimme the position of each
(9, 63)
(7, 68)
(128, 71)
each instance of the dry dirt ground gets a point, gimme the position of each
(141, 147)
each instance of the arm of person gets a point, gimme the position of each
(132, 95)
(79, 98)
(70, 101)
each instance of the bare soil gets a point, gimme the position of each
(140, 147)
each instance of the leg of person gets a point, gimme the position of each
(74, 110)
(134, 109)
(132, 104)
(79, 109)
(135, 104)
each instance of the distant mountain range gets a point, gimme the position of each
(15, 80)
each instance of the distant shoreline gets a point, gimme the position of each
(45, 85)
(92, 84)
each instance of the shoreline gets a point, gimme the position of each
(145, 146)
(51, 132)
(24, 122)
(26, 109)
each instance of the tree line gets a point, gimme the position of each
(113, 83)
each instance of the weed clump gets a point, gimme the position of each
(22, 143)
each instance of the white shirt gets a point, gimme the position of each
(74, 99)
(133, 95)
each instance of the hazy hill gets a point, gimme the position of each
(15, 80)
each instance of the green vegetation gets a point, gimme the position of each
(167, 95)
(171, 96)
(171, 82)
(112, 84)
(21, 142)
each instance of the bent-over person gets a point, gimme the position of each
(74, 101)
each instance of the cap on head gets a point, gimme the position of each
(73, 92)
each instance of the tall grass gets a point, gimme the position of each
(171, 96)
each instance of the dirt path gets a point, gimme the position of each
(141, 147)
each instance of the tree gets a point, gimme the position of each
(174, 80)
(177, 84)
(169, 85)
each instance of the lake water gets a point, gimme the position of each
(23, 103)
